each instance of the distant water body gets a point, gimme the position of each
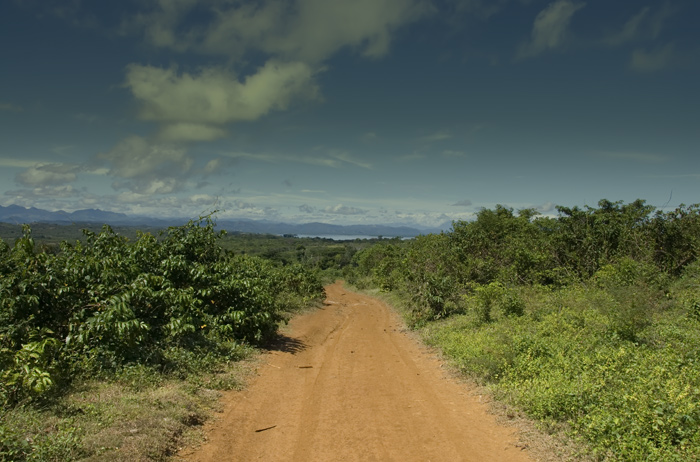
(345, 237)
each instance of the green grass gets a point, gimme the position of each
(137, 415)
(620, 369)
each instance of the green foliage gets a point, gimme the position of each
(589, 238)
(563, 361)
(677, 238)
(106, 302)
(590, 319)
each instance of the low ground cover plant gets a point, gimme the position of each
(589, 322)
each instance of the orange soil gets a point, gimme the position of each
(346, 383)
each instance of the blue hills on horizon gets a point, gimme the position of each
(15, 214)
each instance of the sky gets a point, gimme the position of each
(410, 112)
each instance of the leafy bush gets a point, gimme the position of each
(590, 319)
(107, 302)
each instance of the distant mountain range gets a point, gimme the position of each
(19, 215)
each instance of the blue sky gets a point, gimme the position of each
(412, 112)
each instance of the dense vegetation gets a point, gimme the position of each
(101, 306)
(326, 255)
(589, 322)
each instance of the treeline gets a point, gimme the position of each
(589, 321)
(169, 301)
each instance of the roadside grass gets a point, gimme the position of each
(617, 370)
(136, 414)
(139, 414)
(546, 443)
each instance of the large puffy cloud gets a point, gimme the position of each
(293, 37)
(148, 167)
(196, 106)
(307, 30)
(550, 28)
(51, 174)
(48, 174)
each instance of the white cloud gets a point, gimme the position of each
(164, 206)
(636, 157)
(550, 29)
(306, 30)
(349, 159)
(194, 106)
(160, 26)
(442, 135)
(646, 24)
(148, 167)
(203, 199)
(60, 197)
(653, 60)
(48, 174)
(16, 163)
(462, 203)
(334, 159)
(215, 166)
(545, 208)
(341, 209)
(306, 208)
(631, 30)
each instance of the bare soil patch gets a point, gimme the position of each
(346, 383)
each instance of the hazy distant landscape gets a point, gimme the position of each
(20, 215)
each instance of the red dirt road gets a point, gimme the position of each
(347, 384)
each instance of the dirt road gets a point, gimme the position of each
(347, 384)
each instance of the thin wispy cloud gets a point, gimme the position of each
(441, 135)
(550, 30)
(349, 159)
(284, 158)
(631, 31)
(636, 157)
(10, 107)
(652, 60)
(453, 153)
(18, 163)
(410, 157)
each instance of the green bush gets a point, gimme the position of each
(104, 303)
